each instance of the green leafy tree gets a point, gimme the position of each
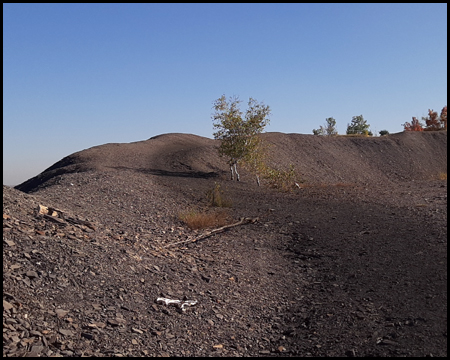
(256, 160)
(358, 126)
(329, 128)
(240, 140)
(319, 131)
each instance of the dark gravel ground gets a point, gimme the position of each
(334, 269)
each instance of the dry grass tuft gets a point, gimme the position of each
(196, 220)
(442, 176)
(217, 198)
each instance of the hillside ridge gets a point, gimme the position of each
(317, 159)
(345, 269)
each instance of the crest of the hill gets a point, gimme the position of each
(317, 159)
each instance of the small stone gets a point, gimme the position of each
(65, 332)
(87, 336)
(281, 348)
(219, 346)
(113, 322)
(15, 266)
(7, 305)
(137, 331)
(32, 274)
(61, 313)
(35, 333)
(35, 351)
(9, 242)
(134, 342)
(15, 339)
(42, 209)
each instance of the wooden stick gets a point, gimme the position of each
(242, 221)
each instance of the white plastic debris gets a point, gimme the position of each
(181, 304)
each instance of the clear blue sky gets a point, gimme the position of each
(81, 75)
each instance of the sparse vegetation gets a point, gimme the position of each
(443, 117)
(359, 126)
(216, 197)
(256, 161)
(202, 219)
(383, 132)
(432, 122)
(239, 137)
(284, 180)
(197, 220)
(442, 176)
(329, 129)
(414, 125)
(241, 143)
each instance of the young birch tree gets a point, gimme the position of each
(358, 126)
(329, 129)
(239, 137)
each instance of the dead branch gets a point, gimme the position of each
(75, 221)
(242, 221)
(59, 217)
(55, 220)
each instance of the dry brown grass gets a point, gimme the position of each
(197, 220)
(442, 176)
(217, 198)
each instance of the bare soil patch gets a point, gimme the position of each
(352, 264)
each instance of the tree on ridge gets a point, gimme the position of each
(240, 140)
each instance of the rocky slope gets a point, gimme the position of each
(352, 264)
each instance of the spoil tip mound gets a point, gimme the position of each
(317, 159)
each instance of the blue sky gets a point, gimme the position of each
(81, 75)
